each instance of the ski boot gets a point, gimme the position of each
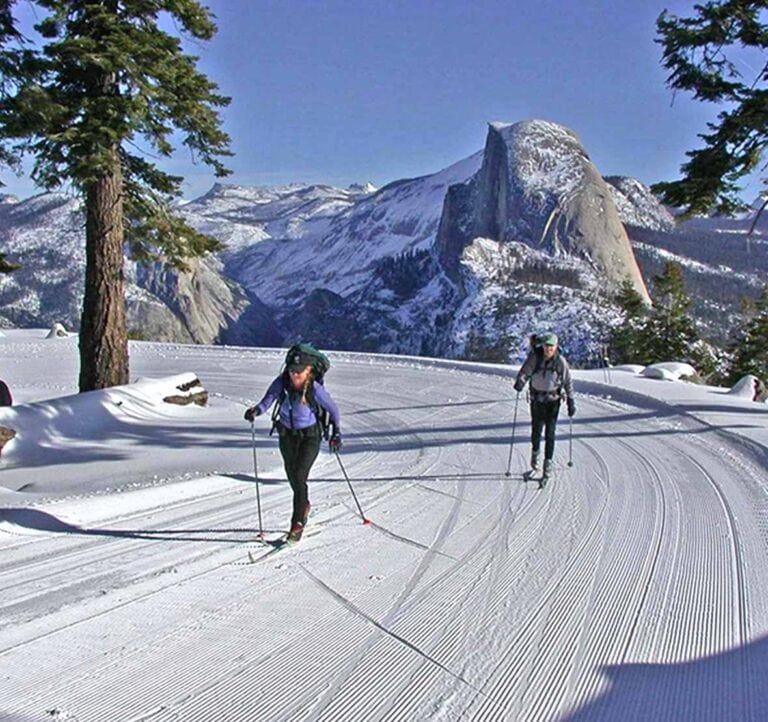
(297, 529)
(534, 466)
(547, 475)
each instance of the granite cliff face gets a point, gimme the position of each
(205, 306)
(537, 186)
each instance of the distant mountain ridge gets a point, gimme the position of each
(466, 262)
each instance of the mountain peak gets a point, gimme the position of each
(362, 188)
(537, 186)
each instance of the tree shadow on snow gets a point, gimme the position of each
(249, 478)
(727, 687)
(413, 407)
(42, 521)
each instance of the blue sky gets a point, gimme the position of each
(344, 91)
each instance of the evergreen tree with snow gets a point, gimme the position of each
(664, 333)
(669, 333)
(626, 339)
(750, 349)
(106, 92)
(708, 55)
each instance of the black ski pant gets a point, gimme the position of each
(299, 449)
(544, 417)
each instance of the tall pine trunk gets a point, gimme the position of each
(103, 334)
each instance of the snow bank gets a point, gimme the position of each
(668, 371)
(631, 368)
(747, 387)
(44, 428)
(58, 331)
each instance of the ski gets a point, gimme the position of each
(529, 476)
(279, 544)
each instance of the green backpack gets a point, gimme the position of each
(320, 362)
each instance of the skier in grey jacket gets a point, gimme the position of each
(550, 377)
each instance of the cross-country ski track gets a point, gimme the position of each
(633, 587)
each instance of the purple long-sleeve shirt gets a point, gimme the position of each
(294, 414)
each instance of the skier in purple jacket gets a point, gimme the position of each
(299, 429)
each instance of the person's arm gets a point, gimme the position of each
(272, 393)
(269, 398)
(525, 371)
(568, 388)
(567, 380)
(323, 398)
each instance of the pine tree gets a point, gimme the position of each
(626, 339)
(750, 348)
(669, 334)
(106, 82)
(701, 53)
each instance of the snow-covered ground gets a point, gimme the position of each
(634, 587)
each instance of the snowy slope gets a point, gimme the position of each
(241, 216)
(632, 588)
(339, 250)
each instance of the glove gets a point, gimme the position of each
(519, 384)
(251, 413)
(571, 407)
(334, 443)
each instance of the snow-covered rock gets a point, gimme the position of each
(630, 368)
(58, 331)
(637, 206)
(669, 371)
(749, 387)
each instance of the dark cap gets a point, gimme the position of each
(299, 361)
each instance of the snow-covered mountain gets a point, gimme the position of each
(538, 187)
(465, 262)
(722, 263)
(46, 235)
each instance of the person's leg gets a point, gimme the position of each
(550, 418)
(537, 424)
(306, 453)
(289, 449)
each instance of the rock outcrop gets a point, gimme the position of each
(205, 305)
(537, 186)
(189, 392)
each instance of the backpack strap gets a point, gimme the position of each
(276, 408)
(322, 417)
(557, 368)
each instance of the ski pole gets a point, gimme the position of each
(256, 477)
(570, 441)
(349, 483)
(512, 440)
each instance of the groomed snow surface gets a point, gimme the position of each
(634, 587)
